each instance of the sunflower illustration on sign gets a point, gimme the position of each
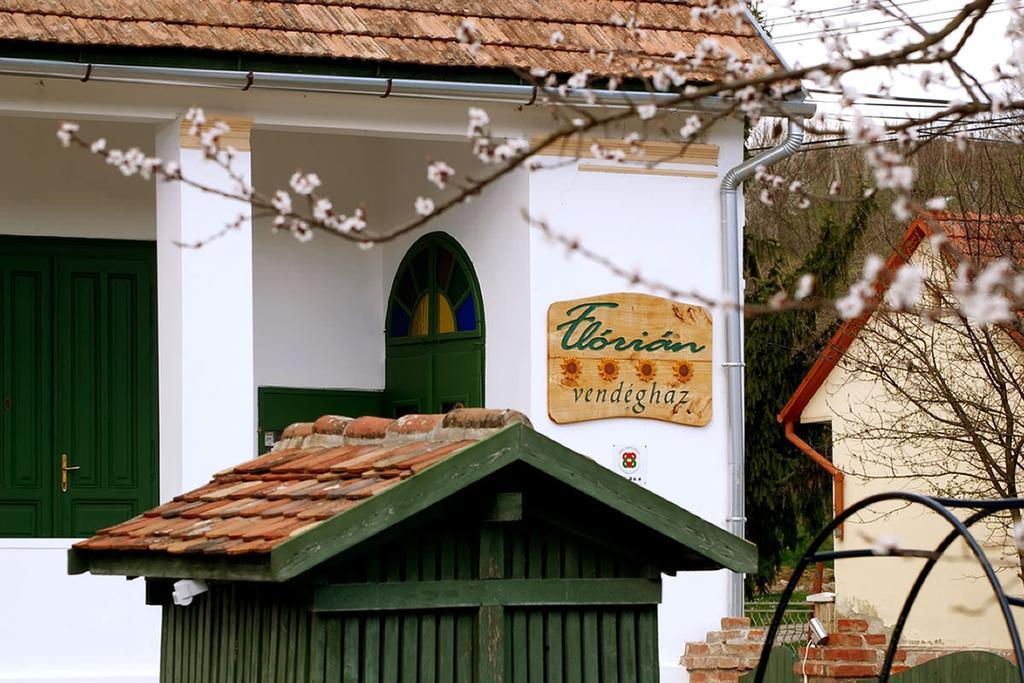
(682, 371)
(570, 371)
(608, 369)
(646, 369)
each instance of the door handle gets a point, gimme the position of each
(64, 469)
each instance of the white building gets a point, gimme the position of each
(150, 366)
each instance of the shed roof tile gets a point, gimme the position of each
(250, 508)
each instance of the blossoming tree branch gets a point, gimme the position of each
(753, 90)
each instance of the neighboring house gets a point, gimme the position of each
(911, 407)
(132, 368)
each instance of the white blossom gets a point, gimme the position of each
(322, 210)
(439, 172)
(804, 287)
(1018, 534)
(885, 545)
(983, 300)
(557, 38)
(579, 80)
(646, 111)
(600, 152)
(98, 145)
(904, 292)
(65, 133)
(690, 127)
(354, 223)
(936, 204)
(301, 230)
(197, 117)
(468, 34)
(304, 183)
(282, 202)
(424, 206)
(478, 119)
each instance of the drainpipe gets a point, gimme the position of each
(834, 472)
(733, 363)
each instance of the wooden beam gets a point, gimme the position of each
(650, 151)
(395, 596)
(585, 167)
(507, 506)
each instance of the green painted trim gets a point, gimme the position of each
(428, 595)
(168, 567)
(278, 407)
(636, 502)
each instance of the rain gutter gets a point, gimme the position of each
(348, 85)
(733, 363)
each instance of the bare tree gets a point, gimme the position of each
(936, 400)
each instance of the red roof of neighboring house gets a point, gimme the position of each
(980, 237)
(399, 31)
(317, 471)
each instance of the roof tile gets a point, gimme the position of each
(396, 31)
(250, 508)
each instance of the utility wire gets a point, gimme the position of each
(874, 27)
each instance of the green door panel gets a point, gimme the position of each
(105, 389)
(458, 377)
(26, 464)
(409, 380)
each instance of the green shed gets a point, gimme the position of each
(455, 547)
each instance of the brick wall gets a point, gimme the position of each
(856, 649)
(725, 655)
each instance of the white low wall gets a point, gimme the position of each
(55, 627)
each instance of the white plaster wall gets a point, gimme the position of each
(492, 231)
(667, 228)
(48, 190)
(55, 627)
(319, 311)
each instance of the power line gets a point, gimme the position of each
(873, 27)
(878, 96)
(830, 13)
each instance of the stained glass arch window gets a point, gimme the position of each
(435, 294)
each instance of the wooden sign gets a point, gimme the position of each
(629, 355)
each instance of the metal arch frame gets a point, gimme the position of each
(960, 529)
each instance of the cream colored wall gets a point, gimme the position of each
(956, 607)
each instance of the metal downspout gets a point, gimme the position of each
(731, 229)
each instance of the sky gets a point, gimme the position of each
(865, 29)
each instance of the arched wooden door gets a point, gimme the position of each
(435, 330)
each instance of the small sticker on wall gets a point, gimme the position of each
(631, 462)
(269, 438)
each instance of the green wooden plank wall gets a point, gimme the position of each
(237, 634)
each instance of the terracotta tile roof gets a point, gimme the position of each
(317, 471)
(981, 238)
(421, 32)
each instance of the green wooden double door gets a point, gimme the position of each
(78, 419)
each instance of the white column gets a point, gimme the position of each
(207, 392)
